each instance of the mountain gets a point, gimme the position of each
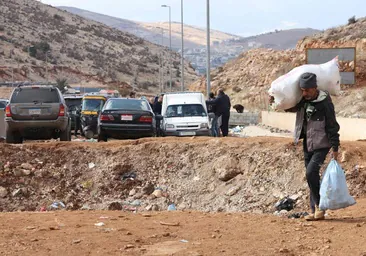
(225, 46)
(39, 42)
(278, 39)
(193, 36)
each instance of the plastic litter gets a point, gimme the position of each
(129, 176)
(285, 204)
(57, 205)
(333, 190)
(171, 207)
(91, 165)
(99, 224)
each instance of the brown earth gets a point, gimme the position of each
(220, 177)
(75, 233)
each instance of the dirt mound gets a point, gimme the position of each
(205, 174)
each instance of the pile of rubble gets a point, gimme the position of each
(206, 174)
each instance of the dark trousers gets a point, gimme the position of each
(225, 124)
(313, 163)
(77, 123)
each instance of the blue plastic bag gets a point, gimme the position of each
(333, 190)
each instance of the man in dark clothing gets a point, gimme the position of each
(223, 105)
(158, 104)
(316, 124)
(157, 107)
(211, 108)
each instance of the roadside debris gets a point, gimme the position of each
(285, 204)
(57, 205)
(99, 224)
(169, 224)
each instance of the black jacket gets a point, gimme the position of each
(222, 104)
(316, 123)
(157, 107)
(210, 107)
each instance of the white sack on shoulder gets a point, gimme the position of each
(286, 89)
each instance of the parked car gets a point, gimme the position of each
(3, 103)
(126, 118)
(185, 114)
(37, 112)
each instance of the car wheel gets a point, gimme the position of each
(13, 138)
(102, 137)
(66, 134)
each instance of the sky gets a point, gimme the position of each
(240, 17)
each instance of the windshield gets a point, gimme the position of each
(32, 95)
(128, 104)
(92, 104)
(185, 110)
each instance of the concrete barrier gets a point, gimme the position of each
(352, 129)
(243, 118)
(2, 123)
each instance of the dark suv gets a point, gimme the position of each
(38, 113)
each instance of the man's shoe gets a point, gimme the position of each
(319, 215)
(309, 217)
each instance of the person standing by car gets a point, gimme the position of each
(223, 105)
(77, 120)
(316, 124)
(211, 109)
(157, 107)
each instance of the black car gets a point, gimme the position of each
(126, 118)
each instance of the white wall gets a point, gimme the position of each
(352, 129)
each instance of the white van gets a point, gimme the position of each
(185, 114)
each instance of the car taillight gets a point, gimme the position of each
(146, 119)
(61, 112)
(106, 117)
(8, 111)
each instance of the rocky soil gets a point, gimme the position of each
(205, 174)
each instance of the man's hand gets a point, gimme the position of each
(271, 99)
(335, 155)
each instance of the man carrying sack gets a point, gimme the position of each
(316, 124)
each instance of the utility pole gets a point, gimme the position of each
(162, 59)
(182, 57)
(170, 45)
(208, 75)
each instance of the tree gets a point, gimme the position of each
(62, 84)
(352, 20)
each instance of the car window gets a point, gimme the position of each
(41, 95)
(185, 110)
(128, 104)
(92, 104)
(2, 104)
(73, 102)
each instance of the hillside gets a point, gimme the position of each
(193, 37)
(84, 51)
(224, 46)
(279, 39)
(248, 78)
